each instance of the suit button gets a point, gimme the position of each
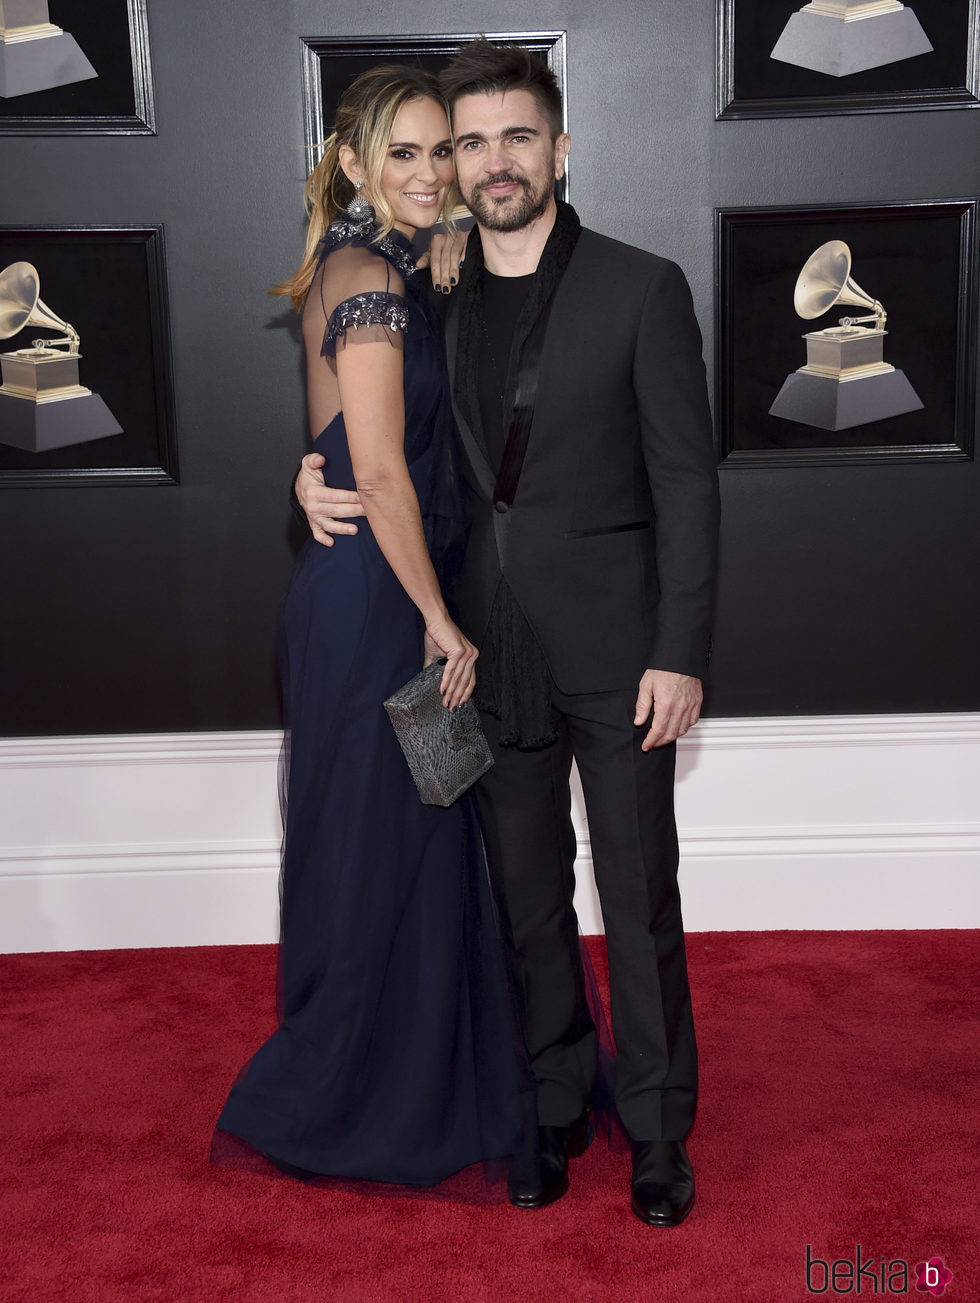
(501, 506)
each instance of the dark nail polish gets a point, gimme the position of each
(438, 289)
(445, 289)
(452, 280)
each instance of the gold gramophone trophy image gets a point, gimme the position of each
(846, 380)
(34, 53)
(42, 405)
(840, 37)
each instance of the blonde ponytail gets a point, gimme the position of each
(321, 208)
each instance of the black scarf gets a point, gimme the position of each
(513, 680)
(550, 269)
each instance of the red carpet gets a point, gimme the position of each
(839, 1108)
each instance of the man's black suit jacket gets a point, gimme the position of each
(609, 546)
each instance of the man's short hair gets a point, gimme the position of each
(482, 68)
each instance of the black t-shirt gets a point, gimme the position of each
(503, 301)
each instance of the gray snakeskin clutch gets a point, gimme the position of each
(446, 750)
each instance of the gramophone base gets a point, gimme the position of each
(832, 404)
(48, 61)
(827, 44)
(39, 427)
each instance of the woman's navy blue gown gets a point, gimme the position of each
(398, 1056)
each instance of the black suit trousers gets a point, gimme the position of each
(525, 805)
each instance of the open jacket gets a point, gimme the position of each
(609, 545)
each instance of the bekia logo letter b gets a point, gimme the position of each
(932, 1277)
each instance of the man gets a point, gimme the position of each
(583, 419)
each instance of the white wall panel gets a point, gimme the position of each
(173, 839)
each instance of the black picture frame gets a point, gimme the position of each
(118, 102)
(110, 283)
(330, 64)
(750, 84)
(918, 258)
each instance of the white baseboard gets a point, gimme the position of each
(842, 822)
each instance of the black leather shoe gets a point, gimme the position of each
(556, 1146)
(662, 1188)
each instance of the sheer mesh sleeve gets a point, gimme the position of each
(361, 299)
(365, 318)
(356, 297)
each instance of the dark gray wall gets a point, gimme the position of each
(844, 589)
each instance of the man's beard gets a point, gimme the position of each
(495, 214)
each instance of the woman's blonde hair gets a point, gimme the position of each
(365, 118)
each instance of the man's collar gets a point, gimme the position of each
(558, 247)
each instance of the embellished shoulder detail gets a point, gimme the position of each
(399, 256)
(377, 308)
(363, 231)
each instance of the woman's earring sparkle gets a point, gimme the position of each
(359, 210)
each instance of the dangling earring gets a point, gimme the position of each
(359, 210)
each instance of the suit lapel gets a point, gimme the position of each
(530, 341)
(475, 455)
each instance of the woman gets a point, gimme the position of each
(397, 1057)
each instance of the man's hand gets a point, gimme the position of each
(326, 509)
(444, 257)
(676, 702)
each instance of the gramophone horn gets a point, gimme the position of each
(21, 304)
(826, 280)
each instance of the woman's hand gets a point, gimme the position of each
(443, 638)
(444, 257)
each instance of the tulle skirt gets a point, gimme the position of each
(398, 1058)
